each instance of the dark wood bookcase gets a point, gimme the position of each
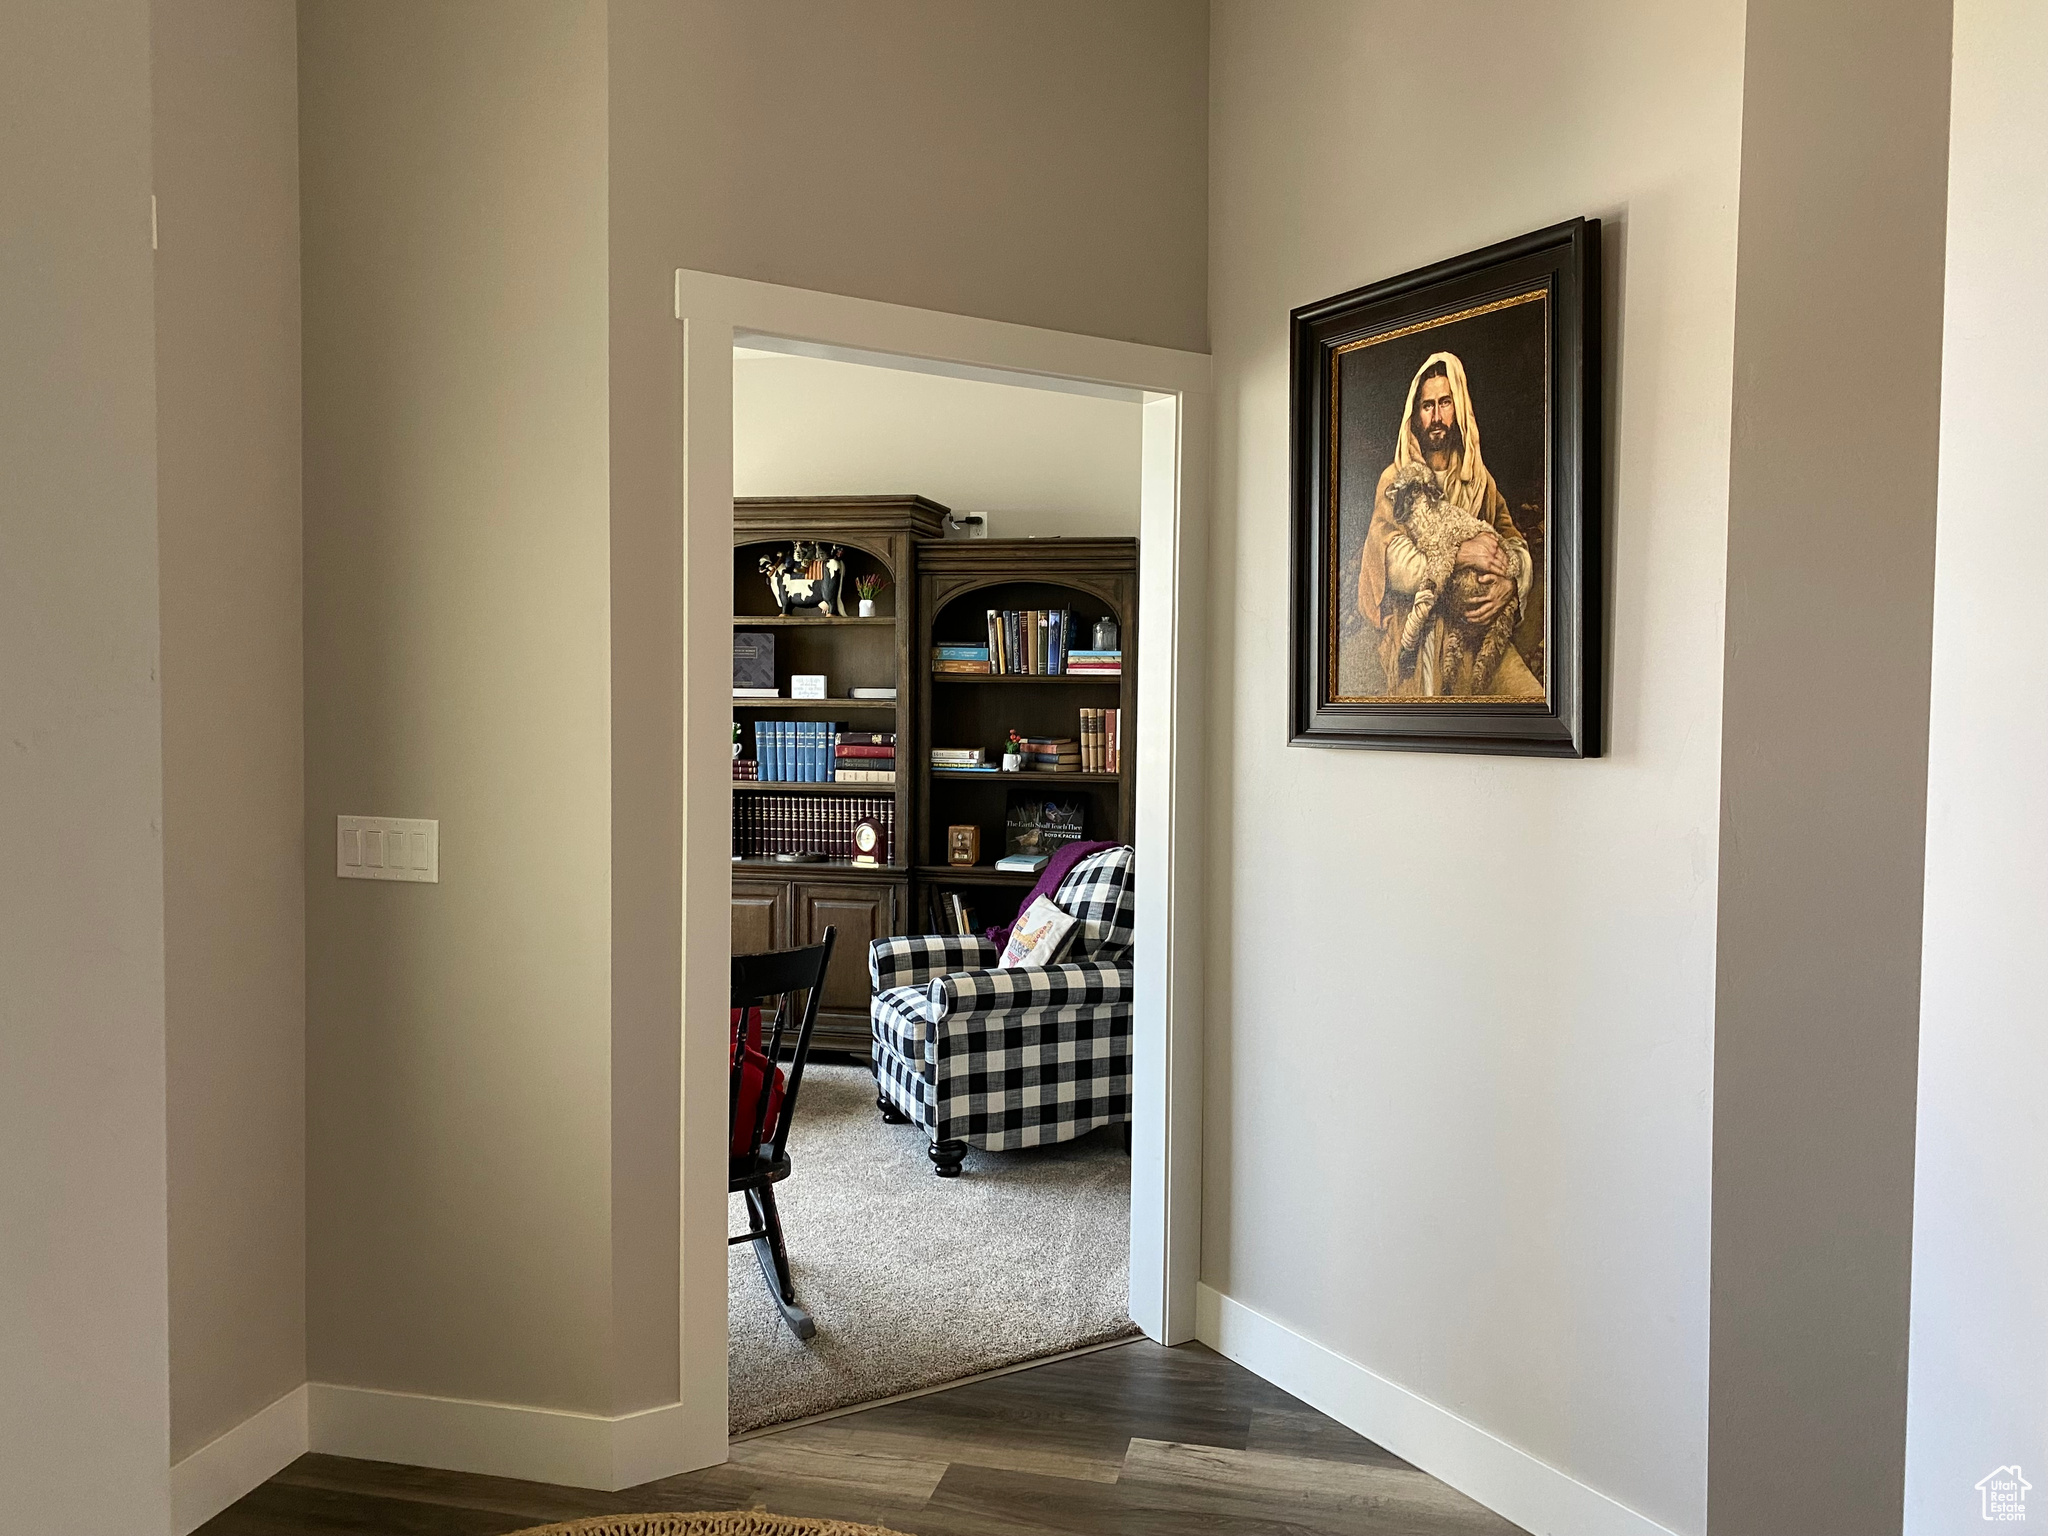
(958, 583)
(942, 590)
(778, 905)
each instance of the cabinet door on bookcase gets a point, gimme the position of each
(862, 912)
(760, 916)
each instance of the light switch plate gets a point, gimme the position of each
(387, 848)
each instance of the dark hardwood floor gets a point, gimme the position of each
(1131, 1441)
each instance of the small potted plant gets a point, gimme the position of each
(867, 589)
(1013, 753)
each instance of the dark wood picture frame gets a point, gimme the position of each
(1563, 262)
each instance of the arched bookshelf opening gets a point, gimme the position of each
(1080, 581)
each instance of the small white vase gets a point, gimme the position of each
(1013, 762)
(867, 607)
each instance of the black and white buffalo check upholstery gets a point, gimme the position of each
(1002, 1059)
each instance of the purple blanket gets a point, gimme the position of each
(1049, 878)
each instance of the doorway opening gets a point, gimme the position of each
(933, 521)
(760, 366)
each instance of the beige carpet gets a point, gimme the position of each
(916, 1280)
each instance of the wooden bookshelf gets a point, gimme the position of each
(958, 582)
(975, 874)
(1026, 777)
(836, 868)
(808, 620)
(777, 904)
(1067, 679)
(751, 703)
(941, 593)
(791, 787)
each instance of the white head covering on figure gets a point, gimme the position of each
(1466, 483)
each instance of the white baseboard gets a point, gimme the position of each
(220, 1472)
(1510, 1482)
(544, 1445)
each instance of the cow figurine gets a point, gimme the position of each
(793, 591)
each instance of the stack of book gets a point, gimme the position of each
(954, 916)
(960, 660)
(1052, 754)
(745, 769)
(1102, 741)
(1095, 663)
(961, 760)
(1030, 642)
(764, 826)
(795, 751)
(865, 757)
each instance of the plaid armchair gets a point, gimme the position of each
(1002, 1059)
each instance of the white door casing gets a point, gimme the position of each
(1173, 387)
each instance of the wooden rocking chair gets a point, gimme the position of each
(758, 1149)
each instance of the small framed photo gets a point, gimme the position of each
(1446, 499)
(807, 685)
(963, 845)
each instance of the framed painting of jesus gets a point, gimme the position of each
(1446, 478)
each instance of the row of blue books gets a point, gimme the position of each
(795, 751)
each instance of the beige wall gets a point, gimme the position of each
(1979, 1397)
(1042, 164)
(453, 174)
(646, 684)
(227, 307)
(1461, 1008)
(1039, 163)
(1037, 463)
(1832, 483)
(1067, 190)
(84, 1423)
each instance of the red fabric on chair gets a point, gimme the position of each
(754, 1070)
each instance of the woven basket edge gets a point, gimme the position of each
(719, 1522)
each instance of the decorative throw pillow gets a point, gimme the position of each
(1039, 938)
(1100, 894)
